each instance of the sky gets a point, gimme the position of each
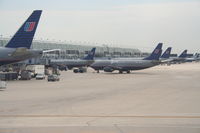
(117, 23)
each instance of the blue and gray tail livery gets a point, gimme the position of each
(183, 54)
(90, 55)
(167, 53)
(155, 55)
(24, 36)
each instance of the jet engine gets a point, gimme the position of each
(108, 69)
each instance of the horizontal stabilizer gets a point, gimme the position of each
(20, 52)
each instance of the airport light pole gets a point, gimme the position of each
(106, 46)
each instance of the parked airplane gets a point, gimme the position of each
(191, 59)
(166, 54)
(71, 63)
(128, 65)
(181, 58)
(18, 48)
(165, 57)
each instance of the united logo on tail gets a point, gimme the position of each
(156, 51)
(29, 26)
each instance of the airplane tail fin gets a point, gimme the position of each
(24, 36)
(183, 54)
(90, 55)
(155, 55)
(167, 53)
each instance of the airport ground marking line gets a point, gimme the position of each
(106, 116)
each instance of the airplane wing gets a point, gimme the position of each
(166, 61)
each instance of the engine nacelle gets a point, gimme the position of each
(108, 69)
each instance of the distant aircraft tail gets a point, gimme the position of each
(183, 54)
(90, 55)
(155, 55)
(167, 53)
(24, 36)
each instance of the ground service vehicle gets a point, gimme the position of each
(53, 77)
(40, 76)
(25, 75)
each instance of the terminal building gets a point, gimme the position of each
(78, 50)
(74, 50)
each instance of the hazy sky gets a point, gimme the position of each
(122, 23)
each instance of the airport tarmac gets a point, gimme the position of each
(160, 99)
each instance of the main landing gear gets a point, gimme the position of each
(128, 71)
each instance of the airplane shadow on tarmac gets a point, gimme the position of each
(134, 73)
